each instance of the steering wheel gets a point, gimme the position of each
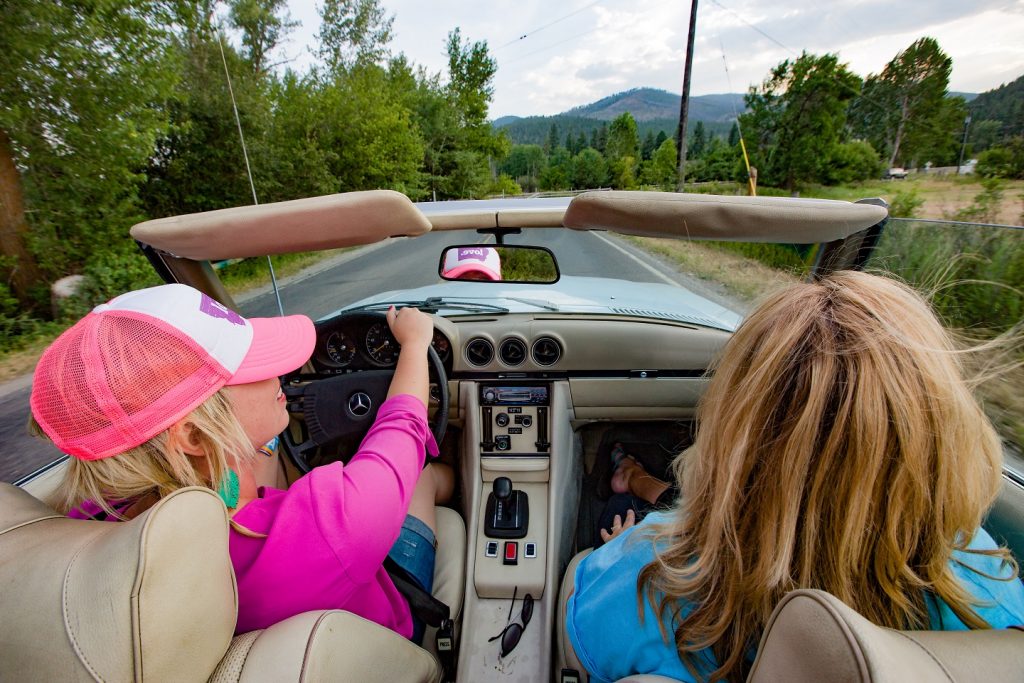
(345, 407)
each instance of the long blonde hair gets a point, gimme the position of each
(160, 466)
(838, 448)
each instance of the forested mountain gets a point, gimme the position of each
(1005, 104)
(654, 110)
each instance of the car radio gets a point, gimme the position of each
(514, 419)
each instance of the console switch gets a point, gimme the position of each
(511, 552)
(491, 550)
(530, 549)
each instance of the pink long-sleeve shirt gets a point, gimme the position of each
(328, 534)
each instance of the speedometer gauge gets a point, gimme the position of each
(441, 345)
(340, 348)
(381, 346)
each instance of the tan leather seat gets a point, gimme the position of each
(812, 636)
(155, 599)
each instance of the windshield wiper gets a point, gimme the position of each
(534, 302)
(433, 305)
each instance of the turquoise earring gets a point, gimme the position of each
(228, 490)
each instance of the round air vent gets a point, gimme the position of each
(512, 351)
(546, 351)
(479, 351)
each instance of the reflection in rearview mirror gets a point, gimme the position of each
(489, 263)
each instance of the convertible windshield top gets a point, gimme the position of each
(357, 218)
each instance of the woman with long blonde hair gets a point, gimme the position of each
(838, 448)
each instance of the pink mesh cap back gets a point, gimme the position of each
(133, 367)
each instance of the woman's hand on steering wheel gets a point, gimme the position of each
(413, 329)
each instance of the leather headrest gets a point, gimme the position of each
(814, 636)
(152, 598)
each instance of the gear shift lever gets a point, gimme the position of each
(508, 511)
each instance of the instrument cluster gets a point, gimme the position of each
(361, 341)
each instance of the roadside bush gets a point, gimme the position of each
(852, 161)
(1003, 162)
(905, 204)
(504, 185)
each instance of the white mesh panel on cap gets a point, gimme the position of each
(224, 334)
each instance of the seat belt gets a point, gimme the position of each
(431, 611)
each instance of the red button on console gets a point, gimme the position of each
(511, 552)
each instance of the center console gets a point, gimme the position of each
(521, 474)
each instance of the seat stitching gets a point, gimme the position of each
(67, 626)
(929, 652)
(31, 521)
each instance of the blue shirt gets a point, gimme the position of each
(603, 623)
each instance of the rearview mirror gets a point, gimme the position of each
(490, 263)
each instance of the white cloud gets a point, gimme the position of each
(613, 45)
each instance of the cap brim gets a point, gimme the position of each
(471, 268)
(279, 345)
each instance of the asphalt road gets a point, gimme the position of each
(396, 264)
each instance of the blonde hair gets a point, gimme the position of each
(160, 466)
(838, 448)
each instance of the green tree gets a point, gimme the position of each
(734, 135)
(263, 24)
(552, 142)
(83, 88)
(661, 137)
(589, 169)
(558, 174)
(698, 142)
(900, 109)
(796, 118)
(198, 165)
(351, 32)
(663, 167)
(451, 114)
(852, 161)
(648, 146)
(581, 142)
(525, 163)
(623, 138)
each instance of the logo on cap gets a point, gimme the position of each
(359, 404)
(215, 309)
(475, 254)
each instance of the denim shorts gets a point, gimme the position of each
(415, 551)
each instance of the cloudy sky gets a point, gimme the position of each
(550, 60)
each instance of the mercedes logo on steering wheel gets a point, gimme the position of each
(359, 404)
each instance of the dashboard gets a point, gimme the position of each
(541, 346)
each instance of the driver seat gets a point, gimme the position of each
(155, 599)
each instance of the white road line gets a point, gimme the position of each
(649, 267)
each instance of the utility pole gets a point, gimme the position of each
(684, 105)
(963, 145)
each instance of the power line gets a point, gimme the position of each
(740, 17)
(569, 39)
(551, 23)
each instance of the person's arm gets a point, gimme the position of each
(413, 330)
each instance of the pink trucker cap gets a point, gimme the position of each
(136, 365)
(461, 260)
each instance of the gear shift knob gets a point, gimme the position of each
(502, 488)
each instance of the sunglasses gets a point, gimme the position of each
(514, 631)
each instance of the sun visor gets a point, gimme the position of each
(328, 222)
(478, 214)
(713, 217)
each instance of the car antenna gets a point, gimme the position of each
(245, 155)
